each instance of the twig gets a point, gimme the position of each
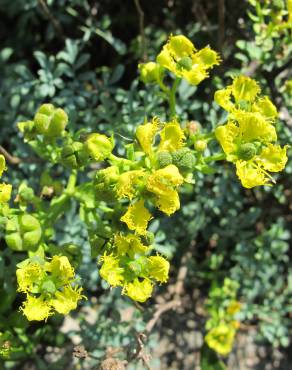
(16, 160)
(55, 23)
(142, 31)
(160, 310)
(139, 353)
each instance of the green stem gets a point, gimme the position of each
(172, 97)
(58, 205)
(71, 183)
(216, 157)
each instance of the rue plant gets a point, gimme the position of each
(118, 203)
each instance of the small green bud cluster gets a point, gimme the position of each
(184, 159)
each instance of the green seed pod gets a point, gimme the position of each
(14, 242)
(47, 109)
(23, 233)
(58, 123)
(148, 239)
(185, 63)
(184, 159)
(26, 127)
(73, 155)
(149, 72)
(105, 192)
(98, 146)
(25, 193)
(50, 121)
(247, 151)
(164, 159)
(135, 267)
(42, 123)
(48, 286)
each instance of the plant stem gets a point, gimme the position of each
(58, 205)
(71, 183)
(172, 98)
(216, 157)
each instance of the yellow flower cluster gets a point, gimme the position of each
(161, 183)
(221, 338)
(130, 267)
(222, 325)
(48, 286)
(248, 139)
(5, 189)
(146, 180)
(180, 57)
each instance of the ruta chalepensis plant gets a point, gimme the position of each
(124, 194)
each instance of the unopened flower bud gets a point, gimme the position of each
(193, 127)
(98, 146)
(200, 145)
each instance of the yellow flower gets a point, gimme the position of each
(250, 175)
(221, 338)
(243, 96)
(129, 244)
(158, 268)
(226, 135)
(233, 307)
(29, 276)
(163, 180)
(111, 270)
(137, 217)
(126, 183)
(248, 144)
(252, 126)
(265, 107)
(181, 58)
(5, 192)
(171, 137)
(168, 202)
(61, 269)
(223, 98)
(273, 158)
(138, 290)
(66, 300)
(245, 89)
(146, 133)
(2, 164)
(36, 308)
